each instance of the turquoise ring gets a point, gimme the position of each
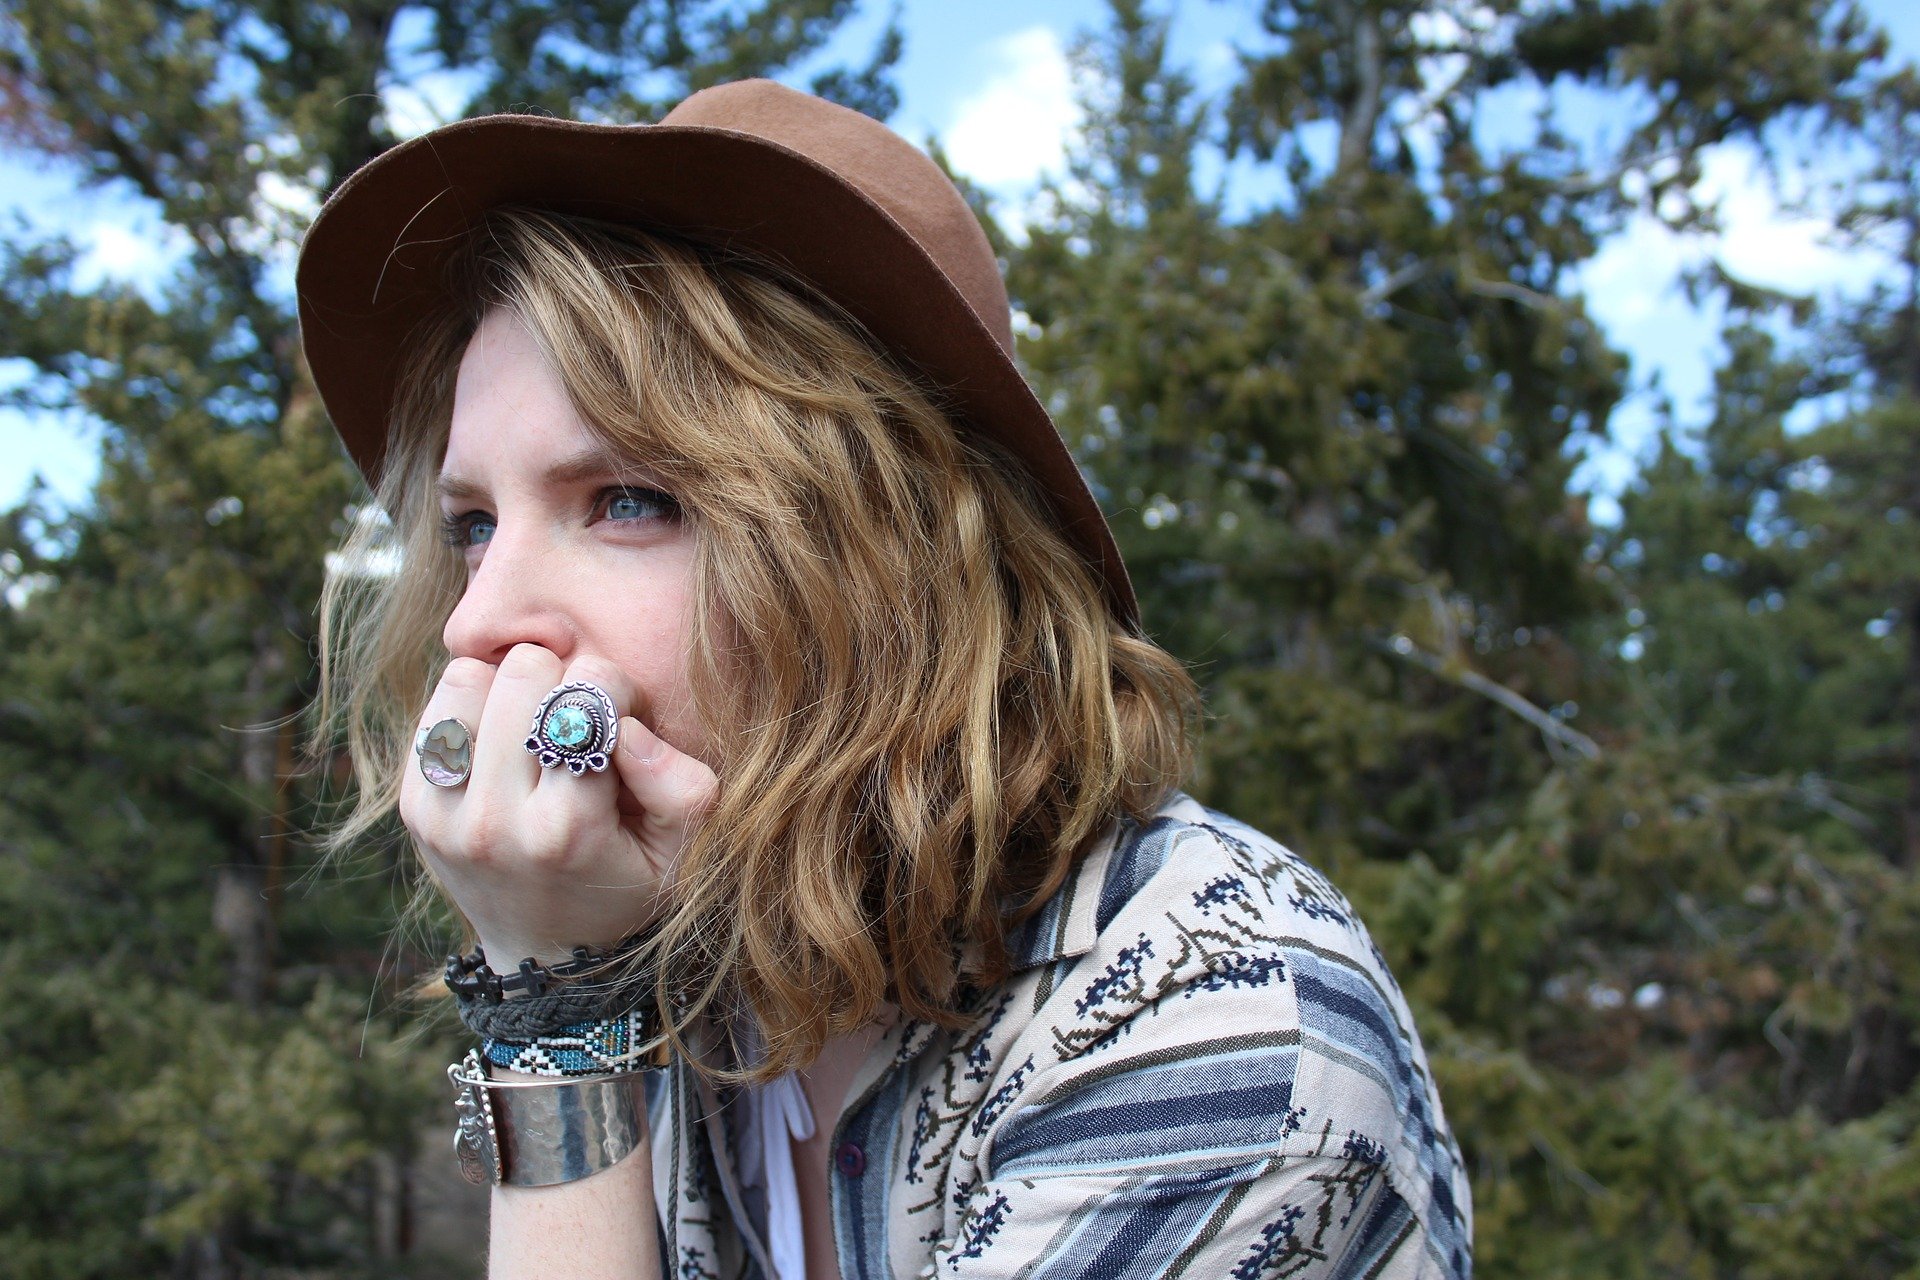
(576, 726)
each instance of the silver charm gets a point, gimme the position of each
(476, 1137)
(445, 751)
(576, 726)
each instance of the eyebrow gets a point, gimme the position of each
(589, 464)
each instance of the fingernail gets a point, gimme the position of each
(627, 741)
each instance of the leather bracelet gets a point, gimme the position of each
(541, 1133)
(468, 975)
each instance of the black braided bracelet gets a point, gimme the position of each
(553, 1000)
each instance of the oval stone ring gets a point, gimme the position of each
(576, 726)
(445, 749)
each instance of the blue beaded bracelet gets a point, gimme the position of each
(601, 1046)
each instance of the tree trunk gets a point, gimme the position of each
(1909, 851)
(208, 1257)
(1362, 115)
(1907, 334)
(393, 1204)
(246, 887)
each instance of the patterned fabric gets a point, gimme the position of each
(1201, 1067)
(589, 1048)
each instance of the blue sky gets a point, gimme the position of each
(990, 79)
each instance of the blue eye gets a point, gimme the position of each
(472, 529)
(639, 504)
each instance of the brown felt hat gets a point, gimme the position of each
(831, 196)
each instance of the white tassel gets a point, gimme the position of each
(777, 1116)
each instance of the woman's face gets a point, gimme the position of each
(565, 548)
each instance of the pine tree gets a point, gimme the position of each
(1770, 576)
(1661, 980)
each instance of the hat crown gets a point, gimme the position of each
(884, 167)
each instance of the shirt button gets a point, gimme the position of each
(850, 1160)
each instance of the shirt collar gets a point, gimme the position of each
(1065, 927)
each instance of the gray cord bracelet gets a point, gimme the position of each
(528, 1017)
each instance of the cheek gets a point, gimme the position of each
(646, 632)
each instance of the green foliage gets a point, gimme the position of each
(1633, 811)
(1334, 434)
(1665, 961)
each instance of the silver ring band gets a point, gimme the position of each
(576, 726)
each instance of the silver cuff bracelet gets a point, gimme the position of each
(539, 1133)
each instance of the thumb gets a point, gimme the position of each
(673, 789)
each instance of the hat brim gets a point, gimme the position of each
(372, 268)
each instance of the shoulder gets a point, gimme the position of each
(1193, 902)
(1200, 869)
(1202, 993)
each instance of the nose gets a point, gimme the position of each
(509, 600)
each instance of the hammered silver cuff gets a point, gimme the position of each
(540, 1133)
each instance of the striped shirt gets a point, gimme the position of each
(1200, 1067)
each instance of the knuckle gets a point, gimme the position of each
(547, 860)
(411, 815)
(699, 791)
(529, 660)
(504, 837)
(600, 671)
(483, 831)
(466, 674)
(702, 793)
(634, 739)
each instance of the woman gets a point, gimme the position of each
(849, 769)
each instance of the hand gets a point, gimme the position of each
(538, 860)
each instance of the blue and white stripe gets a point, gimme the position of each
(1201, 1067)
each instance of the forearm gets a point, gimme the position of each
(596, 1228)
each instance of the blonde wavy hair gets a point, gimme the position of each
(923, 707)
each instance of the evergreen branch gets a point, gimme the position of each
(1379, 293)
(1816, 793)
(1515, 293)
(1557, 734)
(1574, 1173)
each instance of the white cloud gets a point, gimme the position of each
(1016, 126)
(1766, 244)
(58, 449)
(1216, 62)
(1632, 279)
(1632, 289)
(1634, 275)
(280, 195)
(283, 208)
